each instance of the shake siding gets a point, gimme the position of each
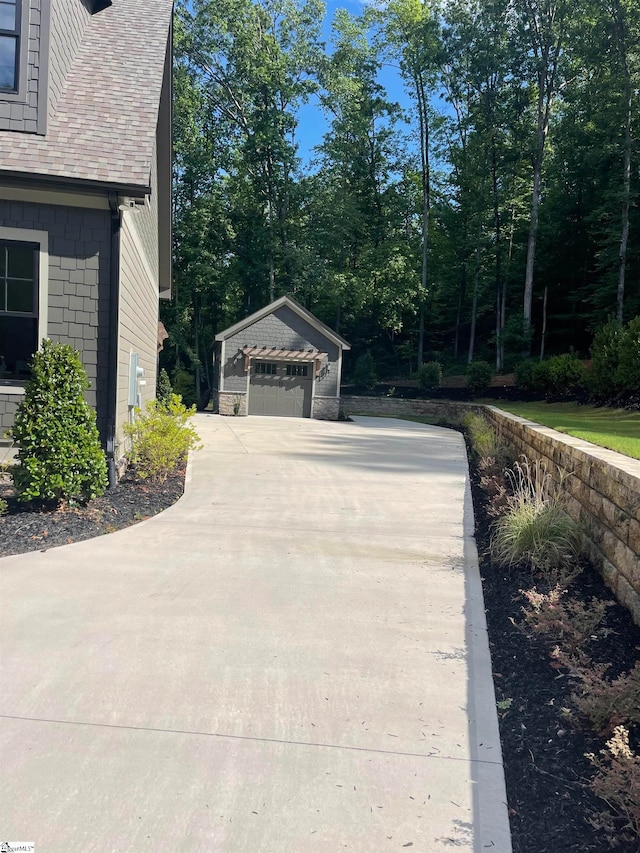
(20, 113)
(68, 21)
(138, 321)
(284, 329)
(78, 285)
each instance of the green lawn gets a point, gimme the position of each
(616, 429)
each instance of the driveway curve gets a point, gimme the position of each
(292, 658)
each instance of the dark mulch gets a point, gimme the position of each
(28, 528)
(550, 807)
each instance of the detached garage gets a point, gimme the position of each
(280, 361)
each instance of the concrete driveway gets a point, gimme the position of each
(292, 658)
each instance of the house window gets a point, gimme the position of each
(9, 44)
(297, 370)
(266, 368)
(18, 308)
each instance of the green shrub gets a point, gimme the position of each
(184, 385)
(566, 374)
(536, 531)
(4, 506)
(163, 388)
(628, 372)
(161, 438)
(525, 375)
(479, 376)
(605, 358)
(59, 454)
(364, 374)
(429, 376)
(542, 377)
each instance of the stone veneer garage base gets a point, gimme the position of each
(602, 491)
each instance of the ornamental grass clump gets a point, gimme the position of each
(535, 531)
(482, 435)
(59, 456)
(161, 437)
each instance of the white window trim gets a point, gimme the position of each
(26, 235)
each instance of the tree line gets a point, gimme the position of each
(493, 215)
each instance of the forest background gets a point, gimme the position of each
(492, 213)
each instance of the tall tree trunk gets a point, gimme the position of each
(196, 343)
(503, 302)
(423, 119)
(544, 323)
(546, 27)
(497, 232)
(461, 293)
(620, 36)
(531, 245)
(474, 306)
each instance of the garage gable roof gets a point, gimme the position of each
(294, 306)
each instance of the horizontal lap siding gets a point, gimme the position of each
(138, 321)
(146, 221)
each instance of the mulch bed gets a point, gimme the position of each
(28, 528)
(551, 809)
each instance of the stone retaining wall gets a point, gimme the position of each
(602, 488)
(446, 411)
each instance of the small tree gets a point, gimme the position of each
(605, 358)
(429, 376)
(479, 376)
(628, 372)
(163, 388)
(364, 374)
(59, 453)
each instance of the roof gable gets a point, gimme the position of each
(296, 308)
(103, 128)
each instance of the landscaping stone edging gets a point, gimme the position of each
(601, 487)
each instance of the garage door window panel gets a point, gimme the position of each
(297, 370)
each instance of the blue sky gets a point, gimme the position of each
(312, 123)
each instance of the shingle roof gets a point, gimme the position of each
(104, 125)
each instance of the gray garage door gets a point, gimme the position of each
(276, 388)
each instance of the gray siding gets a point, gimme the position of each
(20, 112)
(145, 221)
(79, 252)
(284, 329)
(8, 406)
(138, 321)
(68, 21)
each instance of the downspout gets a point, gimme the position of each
(114, 303)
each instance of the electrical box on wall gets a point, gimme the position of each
(136, 374)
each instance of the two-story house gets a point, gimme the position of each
(85, 194)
